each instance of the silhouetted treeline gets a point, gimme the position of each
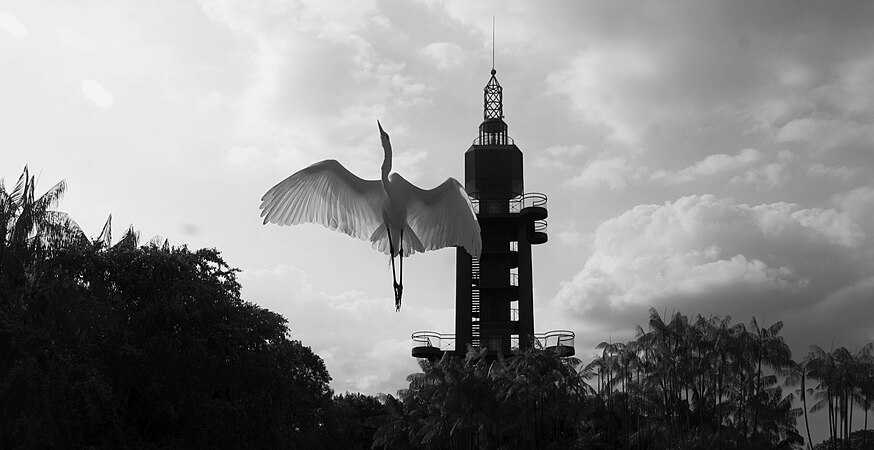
(132, 346)
(698, 384)
(678, 386)
(129, 346)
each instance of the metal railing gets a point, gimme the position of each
(540, 226)
(444, 342)
(555, 338)
(493, 139)
(513, 205)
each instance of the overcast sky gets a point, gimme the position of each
(702, 157)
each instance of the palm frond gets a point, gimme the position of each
(105, 238)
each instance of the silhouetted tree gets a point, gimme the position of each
(355, 418)
(843, 379)
(533, 399)
(30, 228)
(684, 384)
(797, 374)
(142, 346)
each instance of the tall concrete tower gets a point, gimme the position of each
(494, 295)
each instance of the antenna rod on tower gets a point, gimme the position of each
(493, 42)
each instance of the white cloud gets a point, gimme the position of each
(767, 175)
(612, 173)
(615, 85)
(841, 172)
(570, 236)
(858, 203)
(96, 93)
(836, 227)
(245, 155)
(317, 83)
(12, 25)
(559, 157)
(851, 87)
(443, 55)
(357, 336)
(826, 134)
(709, 166)
(513, 24)
(409, 164)
(700, 250)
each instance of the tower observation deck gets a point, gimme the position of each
(494, 294)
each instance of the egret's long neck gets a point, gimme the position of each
(386, 147)
(386, 165)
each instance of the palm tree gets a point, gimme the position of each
(823, 369)
(866, 386)
(770, 349)
(796, 373)
(30, 228)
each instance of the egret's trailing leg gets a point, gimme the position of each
(328, 194)
(399, 290)
(394, 279)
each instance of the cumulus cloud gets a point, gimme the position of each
(841, 172)
(12, 25)
(317, 83)
(610, 172)
(245, 155)
(709, 255)
(725, 74)
(443, 55)
(610, 84)
(559, 157)
(97, 94)
(858, 203)
(709, 166)
(826, 134)
(357, 336)
(767, 175)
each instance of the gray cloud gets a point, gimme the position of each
(709, 255)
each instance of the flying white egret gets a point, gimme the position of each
(397, 217)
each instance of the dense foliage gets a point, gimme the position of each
(532, 400)
(151, 346)
(679, 385)
(843, 382)
(703, 384)
(142, 346)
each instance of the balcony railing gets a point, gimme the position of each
(513, 205)
(555, 338)
(444, 342)
(493, 139)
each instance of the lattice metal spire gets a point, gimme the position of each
(493, 96)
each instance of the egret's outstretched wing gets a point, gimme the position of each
(443, 216)
(328, 194)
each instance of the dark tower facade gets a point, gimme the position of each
(494, 295)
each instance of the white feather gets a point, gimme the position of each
(327, 193)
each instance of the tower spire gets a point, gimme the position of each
(493, 96)
(493, 99)
(493, 45)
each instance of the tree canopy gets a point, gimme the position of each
(151, 346)
(130, 345)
